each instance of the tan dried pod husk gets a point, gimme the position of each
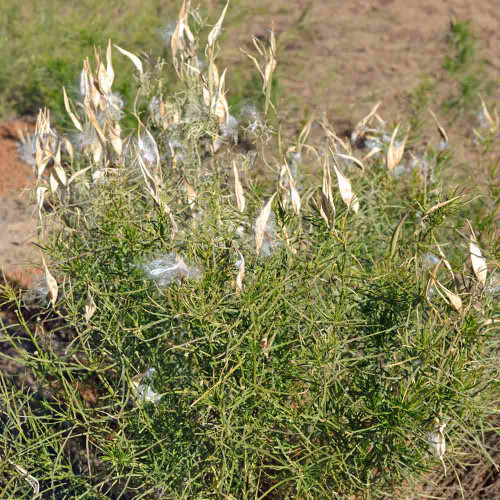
(492, 124)
(238, 190)
(478, 261)
(241, 272)
(212, 36)
(40, 196)
(105, 76)
(346, 190)
(442, 131)
(327, 196)
(261, 222)
(114, 130)
(353, 159)
(294, 195)
(191, 195)
(51, 283)
(90, 308)
(395, 154)
(438, 443)
(454, 299)
(74, 119)
(136, 61)
(359, 130)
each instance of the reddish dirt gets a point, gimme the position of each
(17, 223)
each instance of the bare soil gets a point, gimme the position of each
(338, 57)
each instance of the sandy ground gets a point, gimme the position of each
(335, 56)
(17, 224)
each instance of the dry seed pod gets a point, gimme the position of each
(191, 195)
(346, 190)
(437, 442)
(353, 159)
(143, 391)
(106, 76)
(34, 483)
(441, 130)
(176, 41)
(359, 129)
(212, 36)
(238, 190)
(492, 124)
(478, 262)
(327, 196)
(90, 308)
(137, 62)
(73, 117)
(454, 299)
(40, 194)
(294, 195)
(240, 264)
(260, 224)
(51, 283)
(395, 154)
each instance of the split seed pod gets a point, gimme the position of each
(346, 190)
(478, 261)
(260, 224)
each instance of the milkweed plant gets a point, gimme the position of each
(241, 314)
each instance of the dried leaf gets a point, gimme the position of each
(238, 190)
(260, 224)
(137, 62)
(51, 283)
(346, 190)
(478, 261)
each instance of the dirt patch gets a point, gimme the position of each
(343, 57)
(17, 221)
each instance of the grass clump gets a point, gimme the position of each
(239, 327)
